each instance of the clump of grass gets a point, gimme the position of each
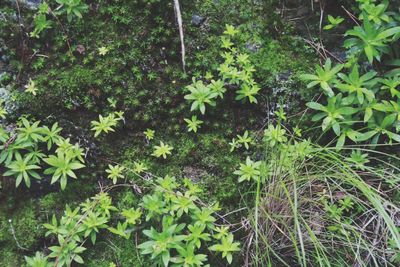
(320, 209)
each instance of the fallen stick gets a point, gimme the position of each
(180, 25)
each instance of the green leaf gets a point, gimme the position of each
(368, 114)
(388, 120)
(316, 106)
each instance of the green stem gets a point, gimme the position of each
(256, 216)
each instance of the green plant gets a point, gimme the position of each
(163, 150)
(71, 8)
(233, 145)
(39, 260)
(358, 159)
(391, 84)
(8, 151)
(121, 230)
(93, 223)
(162, 242)
(103, 50)
(332, 114)
(62, 166)
(197, 234)
(182, 204)
(227, 247)
(41, 24)
(281, 217)
(245, 140)
(281, 114)
(149, 134)
(370, 39)
(22, 169)
(218, 88)
(363, 110)
(31, 87)
(193, 124)
(74, 227)
(248, 91)
(30, 132)
(3, 111)
(51, 136)
(249, 170)
(231, 30)
(200, 95)
(115, 173)
(154, 206)
(333, 22)
(187, 257)
(357, 87)
(376, 12)
(324, 77)
(106, 124)
(185, 228)
(28, 148)
(132, 216)
(235, 72)
(381, 125)
(139, 167)
(274, 135)
(221, 232)
(40, 21)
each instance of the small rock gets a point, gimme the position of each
(193, 173)
(284, 76)
(253, 47)
(292, 3)
(8, 102)
(31, 4)
(341, 55)
(303, 11)
(5, 58)
(198, 20)
(81, 49)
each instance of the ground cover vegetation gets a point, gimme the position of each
(255, 133)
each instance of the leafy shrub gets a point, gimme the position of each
(359, 106)
(186, 226)
(27, 149)
(74, 228)
(236, 72)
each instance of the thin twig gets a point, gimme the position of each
(62, 28)
(22, 37)
(354, 18)
(180, 25)
(14, 236)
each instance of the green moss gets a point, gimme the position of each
(23, 220)
(202, 157)
(126, 199)
(114, 249)
(9, 257)
(275, 57)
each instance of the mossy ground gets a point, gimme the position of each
(142, 72)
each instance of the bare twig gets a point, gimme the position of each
(180, 25)
(322, 51)
(62, 28)
(22, 37)
(14, 236)
(353, 17)
(3, 17)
